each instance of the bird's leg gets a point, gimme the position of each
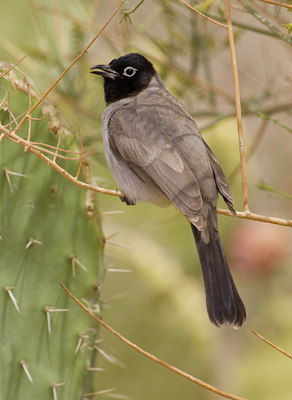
(126, 200)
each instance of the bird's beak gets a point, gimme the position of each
(105, 71)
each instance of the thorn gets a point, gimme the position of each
(119, 396)
(54, 388)
(48, 310)
(25, 368)
(109, 357)
(14, 173)
(14, 301)
(118, 270)
(95, 369)
(5, 173)
(112, 235)
(119, 245)
(80, 340)
(99, 392)
(32, 241)
(48, 320)
(75, 261)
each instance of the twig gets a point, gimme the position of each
(128, 13)
(151, 356)
(266, 22)
(67, 69)
(274, 120)
(39, 144)
(203, 15)
(263, 186)
(238, 106)
(243, 26)
(38, 152)
(272, 345)
(15, 138)
(276, 3)
(257, 217)
(13, 66)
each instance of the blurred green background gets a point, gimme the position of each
(153, 291)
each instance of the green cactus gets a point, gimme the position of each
(46, 343)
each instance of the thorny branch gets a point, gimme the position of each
(151, 356)
(38, 151)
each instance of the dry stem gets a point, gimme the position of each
(272, 345)
(151, 356)
(276, 3)
(238, 106)
(257, 217)
(203, 15)
(67, 69)
(36, 150)
(29, 147)
(12, 67)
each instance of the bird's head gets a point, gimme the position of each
(124, 76)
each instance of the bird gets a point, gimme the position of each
(156, 154)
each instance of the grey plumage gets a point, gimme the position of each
(156, 153)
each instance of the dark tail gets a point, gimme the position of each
(224, 304)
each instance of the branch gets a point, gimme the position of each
(272, 345)
(67, 69)
(266, 22)
(36, 151)
(151, 356)
(203, 15)
(13, 66)
(32, 149)
(257, 217)
(276, 3)
(238, 106)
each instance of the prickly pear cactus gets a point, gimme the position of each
(46, 341)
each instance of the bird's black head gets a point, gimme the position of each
(124, 76)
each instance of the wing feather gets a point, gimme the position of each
(156, 161)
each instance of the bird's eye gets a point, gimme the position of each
(129, 71)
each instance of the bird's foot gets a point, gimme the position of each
(128, 201)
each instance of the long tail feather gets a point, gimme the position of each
(224, 304)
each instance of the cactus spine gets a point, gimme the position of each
(47, 345)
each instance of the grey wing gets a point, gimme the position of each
(221, 181)
(137, 135)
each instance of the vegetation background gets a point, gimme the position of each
(153, 291)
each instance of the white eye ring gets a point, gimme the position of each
(129, 71)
